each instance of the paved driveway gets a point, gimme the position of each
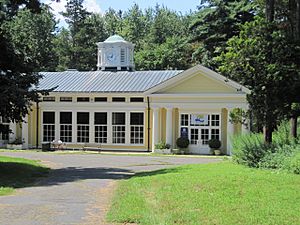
(79, 188)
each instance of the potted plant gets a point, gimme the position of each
(183, 143)
(162, 148)
(16, 144)
(215, 145)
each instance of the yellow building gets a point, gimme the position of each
(118, 108)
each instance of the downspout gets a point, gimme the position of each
(37, 124)
(148, 123)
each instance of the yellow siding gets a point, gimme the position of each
(200, 84)
(224, 130)
(163, 124)
(175, 126)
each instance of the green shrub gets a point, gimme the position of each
(249, 149)
(294, 163)
(182, 142)
(214, 143)
(278, 157)
(162, 145)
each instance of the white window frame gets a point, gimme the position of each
(64, 130)
(82, 133)
(99, 138)
(49, 128)
(134, 138)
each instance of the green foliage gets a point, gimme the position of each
(261, 59)
(215, 23)
(32, 35)
(249, 149)
(182, 142)
(162, 145)
(214, 143)
(238, 115)
(16, 71)
(294, 164)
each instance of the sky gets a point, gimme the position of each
(101, 6)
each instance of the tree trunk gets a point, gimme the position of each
(297, 30)
(268, 134)
(270, 10)
(294, 126)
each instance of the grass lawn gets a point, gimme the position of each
(18, 172)
(221, 193)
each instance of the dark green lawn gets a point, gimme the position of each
(18, 173)
(221, 193)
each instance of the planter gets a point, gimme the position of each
(14, 146)
(212, 151)
(176, 151)
(162, 151)
(217, 152)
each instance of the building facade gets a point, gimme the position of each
(118, 108)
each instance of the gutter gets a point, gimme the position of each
(148, 123)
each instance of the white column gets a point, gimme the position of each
(169, 126)
(155, 126)
(109, 127)
(25, 132)
(92, 128)
(74, 126)
(230, 131)
(127, 128)
(13, 132)
(57, 126)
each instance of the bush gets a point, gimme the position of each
(278, 157)
(249, 149)
(214, 143)
(182, 142)
(162, 145)
(294, 163)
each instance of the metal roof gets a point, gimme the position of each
(104, 81)
(115, 38)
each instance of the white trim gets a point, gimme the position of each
(200, 95)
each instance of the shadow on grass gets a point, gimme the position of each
(18, 174)
(172, 170)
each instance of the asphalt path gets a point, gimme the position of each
(79, 187)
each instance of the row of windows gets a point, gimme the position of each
(200, 120)
(96, 99)
(118, 123)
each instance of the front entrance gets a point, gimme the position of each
(199, 138)
(199, 128)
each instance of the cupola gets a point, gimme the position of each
(115, 54)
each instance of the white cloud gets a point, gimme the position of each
(59, 7)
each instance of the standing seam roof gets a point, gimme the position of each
(104, 81)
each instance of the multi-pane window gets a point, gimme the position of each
(118, 99)
(100, 99)
(136, 128)
(83, 128)
(65, 99)
(118, 128)
(136, 99)
(194, 136)
(100, 127)
(215, 120)
(49, 99)
(83, 99)
(215, 134)
(4, 131)
(184, 119)
(66, 126)
(205, 136)
(48, 126)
